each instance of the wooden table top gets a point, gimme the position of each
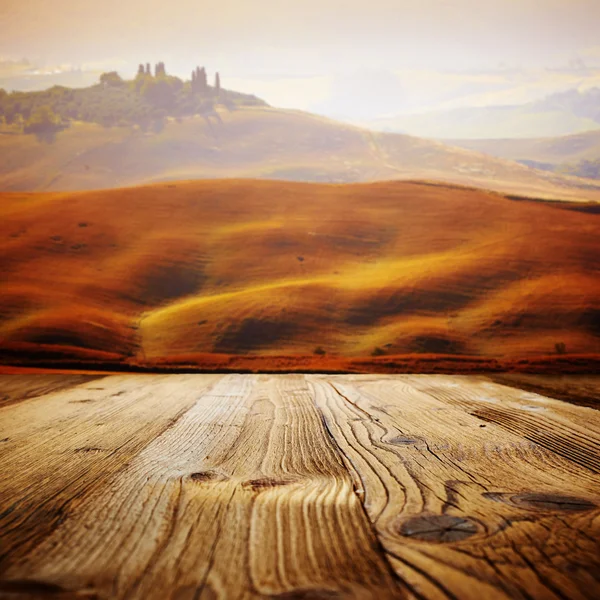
(295, 487)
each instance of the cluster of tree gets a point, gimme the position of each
(145, 70)
(199, 81)
(43, 121)
(200, 85)
(111, 79)
(144, 101)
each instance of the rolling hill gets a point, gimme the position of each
(268, 268)
(259, 142)
(564, 153)
(559, 114)
(481, 122)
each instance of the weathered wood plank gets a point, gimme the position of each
(59, 447)
(467, 508)
(583, 390)
(19, 387)
(570, 431)
(243, 496)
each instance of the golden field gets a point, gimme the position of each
(260, 268)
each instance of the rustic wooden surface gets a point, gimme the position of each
(295, 487)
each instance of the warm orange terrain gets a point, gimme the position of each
(170, 273)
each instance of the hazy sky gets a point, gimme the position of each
(317, 40)
(444, 33)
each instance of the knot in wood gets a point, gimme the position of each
(403, 440)
(542, 501)
(438, 528)
(308, 594)
(207, 476)
(263, 483)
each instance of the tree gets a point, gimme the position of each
(42, 120)
(199, 82)
(111, 79)
(148, 70)
(161, 91)
(160, 70)
(194, 83)
(202, 80)
(19, 121)
(112, 100)
(217, 84)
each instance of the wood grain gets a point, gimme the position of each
(297, 487)
(17, 388)
(244, 496)
(464, 507)
(60, 447)
(583, 390)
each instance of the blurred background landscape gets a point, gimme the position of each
(433, 167)
(300, 299)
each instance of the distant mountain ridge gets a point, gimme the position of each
(560, 114)
(577, 155)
